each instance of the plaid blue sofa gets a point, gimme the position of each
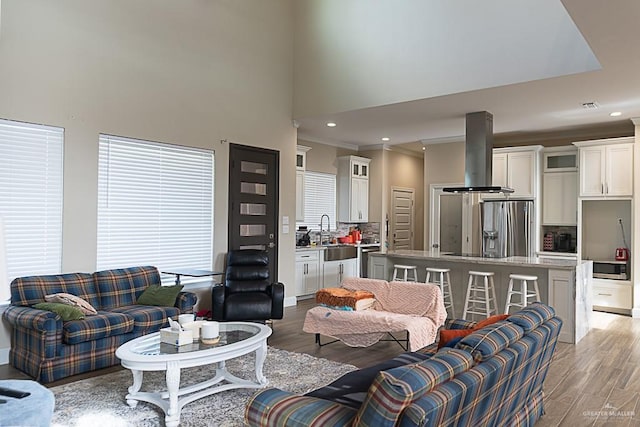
(47, 349)
(492, 377)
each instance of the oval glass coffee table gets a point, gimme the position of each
(147, 353)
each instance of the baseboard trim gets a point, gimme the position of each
(4, 356)
(290, 301)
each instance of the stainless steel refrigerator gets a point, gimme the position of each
(507, 228)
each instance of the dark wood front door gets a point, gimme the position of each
(253, 201)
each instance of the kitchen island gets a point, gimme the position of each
(564, 284)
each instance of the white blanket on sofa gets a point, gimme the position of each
(400, 306)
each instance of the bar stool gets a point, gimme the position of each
(480, 296)
(523, 291)
(443, 280)
(405, 276)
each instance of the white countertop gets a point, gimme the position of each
(564, 264)
(320, 248)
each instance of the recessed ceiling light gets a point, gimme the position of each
(331, 124)
(386, 138)
(424, 148)
(616, 114)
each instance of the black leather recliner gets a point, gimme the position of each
(247, 293)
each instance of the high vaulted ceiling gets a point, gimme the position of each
(411, 70)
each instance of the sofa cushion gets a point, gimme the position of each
(122, 287)
(395, 389)
(102, 325)
(163, 296)
(488, 341)
(147, 318)
(532, 316)
(27, 291)
(351, 388)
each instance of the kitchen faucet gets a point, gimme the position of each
(328, 228)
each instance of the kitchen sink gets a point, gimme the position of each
(338, 252)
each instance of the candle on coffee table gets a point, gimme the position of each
(209, 331)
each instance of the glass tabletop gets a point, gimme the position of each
(230, 333)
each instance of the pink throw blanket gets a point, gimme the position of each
(400, 306)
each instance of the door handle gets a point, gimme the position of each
(435, 246)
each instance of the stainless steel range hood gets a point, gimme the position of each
(478, 156)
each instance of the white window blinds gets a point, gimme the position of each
(31, 197)
(319, 199)
(155, 205)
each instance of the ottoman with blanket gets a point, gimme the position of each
(412, 307)
(128, 303)
(487, 376)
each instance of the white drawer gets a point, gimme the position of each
(307, 256)
(614, 296)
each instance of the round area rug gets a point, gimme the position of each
(100, 401)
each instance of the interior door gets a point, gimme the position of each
(253, 196)
(402, 218)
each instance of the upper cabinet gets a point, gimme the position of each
(301, 166)
(560, 186)
(606, 167)
(353, 189)
(517, 168)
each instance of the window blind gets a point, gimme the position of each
(319, 199)
(31, 197)
(155, 205)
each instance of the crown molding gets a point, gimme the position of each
(635, 121)
(339, 144)
(443, 140)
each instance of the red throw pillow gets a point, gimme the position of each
(447, 335)
(490, 320)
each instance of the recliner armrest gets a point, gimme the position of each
(276, 290)
(218, 292)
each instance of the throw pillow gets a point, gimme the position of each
(490, 320)
(68, 299)
(65, 311)
(164, 296)
(446, 335)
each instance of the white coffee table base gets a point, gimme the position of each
(175, 398)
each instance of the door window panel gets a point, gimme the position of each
(255, 209)
(252, 167)
(253, 188)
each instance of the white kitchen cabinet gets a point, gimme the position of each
(308, 273)
(517, 168)
(562, 299)
(560, 198)
(353, 189)
(612, 295)
(606, 167)
(299, 195)
(334, 271)
(301, 166)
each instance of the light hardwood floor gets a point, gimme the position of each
(586, 382)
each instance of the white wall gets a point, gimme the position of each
(190, 72)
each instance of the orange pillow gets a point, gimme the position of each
(447, 335)
(490, 320)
